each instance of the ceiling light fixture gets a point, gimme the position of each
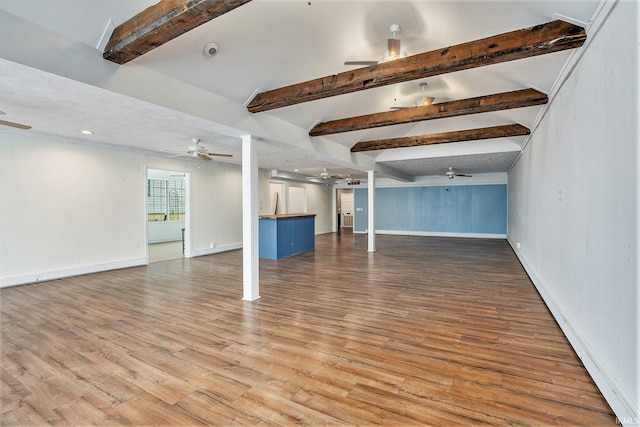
(426, 100)
(394, 50)
(393, 46)
(87, 132)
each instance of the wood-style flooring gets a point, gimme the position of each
(425, 331)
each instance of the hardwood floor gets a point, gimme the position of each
(426, 331)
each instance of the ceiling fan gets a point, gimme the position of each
(451, 173)
(324, 175)
(198, 151)
(393, 49)
(424, 99)
(12, 124)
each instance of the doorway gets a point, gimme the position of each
(167, 215)
(345, 208)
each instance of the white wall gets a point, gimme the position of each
(216, 208)
(72, 208)
(320, 201)
(573, 207)
(164, 231)
(68, 208)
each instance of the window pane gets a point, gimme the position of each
(156, 200)
(176, 200)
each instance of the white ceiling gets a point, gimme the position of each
(266, 44)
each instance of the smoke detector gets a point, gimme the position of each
(210, 49)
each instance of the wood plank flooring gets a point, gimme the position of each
(425, 331)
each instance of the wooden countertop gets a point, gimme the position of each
(285, 216)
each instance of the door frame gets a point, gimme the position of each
(188, 249)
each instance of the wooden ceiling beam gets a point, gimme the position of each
(443, 138)
(541, 39)
(481, 104)
(161, 23)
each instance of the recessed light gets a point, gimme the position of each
(87, 132)
(296, 170)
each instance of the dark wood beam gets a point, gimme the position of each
(442, 138)
(481, 104)
(161, 23)
(542, 39)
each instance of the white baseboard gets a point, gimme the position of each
(437, 234)
(617, 398)
(43, 276)
(217, 249)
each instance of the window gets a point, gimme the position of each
(176, 191)
(165, 200)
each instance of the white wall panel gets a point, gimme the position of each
(216, 206)
(320, 200)
(68, 208)
(573, 198)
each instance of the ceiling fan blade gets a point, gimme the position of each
(464, 176)
(204, 156)
(360, 62)
(14, 125)
(219, 154)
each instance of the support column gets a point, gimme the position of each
(371, 188)
(250, 224)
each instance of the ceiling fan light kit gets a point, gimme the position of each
(324, 176)
(394, 50)
(197, 151)
(451, 173)
(424, 100)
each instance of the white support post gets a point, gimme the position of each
(371, 188)
(250, 224)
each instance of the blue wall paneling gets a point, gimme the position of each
(461, 209)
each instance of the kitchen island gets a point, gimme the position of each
(286, 234)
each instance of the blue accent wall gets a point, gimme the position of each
(443, 209)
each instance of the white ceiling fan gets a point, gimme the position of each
(13, 124)
(197, 151)
(451, 173)
(424, 99)
(324, 175)
(394, 50)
